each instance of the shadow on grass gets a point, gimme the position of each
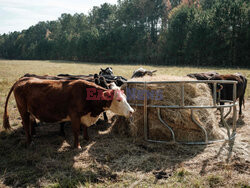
(53, 162)
(239, 122)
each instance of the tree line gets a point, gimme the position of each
(158, 32)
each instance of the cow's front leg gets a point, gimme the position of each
(75, 123)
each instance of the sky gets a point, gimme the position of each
(16, 15)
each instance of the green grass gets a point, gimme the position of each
(107, 160)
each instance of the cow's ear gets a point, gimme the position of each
(102, 69)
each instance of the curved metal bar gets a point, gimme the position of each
(230, 109)
(164, 123)
(224, 122)
(202, 128)
(194, 143)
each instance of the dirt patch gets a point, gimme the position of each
(110, 159)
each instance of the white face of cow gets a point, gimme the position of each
(119, 103)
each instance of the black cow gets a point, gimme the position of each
(110, 77)
(107, 71)
(227, 89)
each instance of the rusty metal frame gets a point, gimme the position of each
(216, 104)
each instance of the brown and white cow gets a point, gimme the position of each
(78, 101)
(99, 80)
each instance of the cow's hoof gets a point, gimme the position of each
(78, 148)
(241, 116)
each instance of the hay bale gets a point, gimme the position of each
(178, 119)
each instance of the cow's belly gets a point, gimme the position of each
(49, 117)
(88, 120)
(48, 113)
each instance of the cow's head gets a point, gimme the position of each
(107, 71)
(219, 86)
(119, 104)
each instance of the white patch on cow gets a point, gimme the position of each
(119, 104)
(114, 86)
(88, 120)
(109, 70)
(139, 70)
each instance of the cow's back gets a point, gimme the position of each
(52, 100)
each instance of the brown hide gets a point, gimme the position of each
(54, 100)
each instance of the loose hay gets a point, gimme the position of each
(178, 119)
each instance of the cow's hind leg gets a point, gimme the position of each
(25, 115)
(33, 124)
(75, 123)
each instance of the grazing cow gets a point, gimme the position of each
(105, 76)
(97, 79)
(203, 75)
(227, 89)
(141, 72)
(206, 76)
(78, 101)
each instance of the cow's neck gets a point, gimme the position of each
(101, 106)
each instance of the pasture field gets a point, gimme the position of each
(108, 159)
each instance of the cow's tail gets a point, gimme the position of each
(6, 123)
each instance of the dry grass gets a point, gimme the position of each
(180, 120)
(111, 160)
